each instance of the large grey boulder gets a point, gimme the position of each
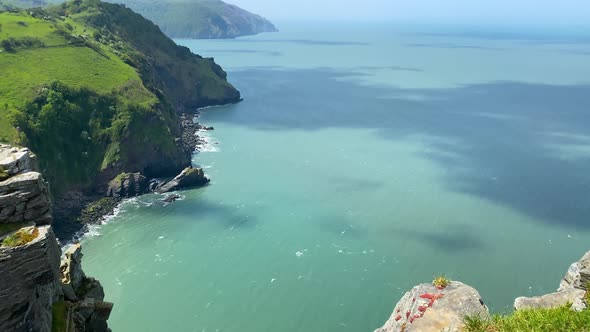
(30, 283)
(189, 177)
(127, 185)
(428, 309)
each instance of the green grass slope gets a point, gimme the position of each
(94, 89)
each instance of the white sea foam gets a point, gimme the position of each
(209, 143)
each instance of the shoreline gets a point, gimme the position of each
(81, 214)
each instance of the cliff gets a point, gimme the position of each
(200, 19)
(37, 292)
(96, 90)
(452, 306)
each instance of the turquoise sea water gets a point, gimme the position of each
(364, 159)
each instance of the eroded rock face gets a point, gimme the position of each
(128, 185)
(85, 295)
(189, 177)
(578, 274)
(428, 309)
(24, 196)
(30, 283)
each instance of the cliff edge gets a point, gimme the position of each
(38, 292)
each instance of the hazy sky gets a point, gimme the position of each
(498, 11)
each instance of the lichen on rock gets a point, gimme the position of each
(427, 308)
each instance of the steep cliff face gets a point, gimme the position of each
(37, 293)
(30, 283)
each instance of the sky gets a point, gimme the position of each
(467, 11)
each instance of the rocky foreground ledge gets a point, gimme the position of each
(427, 308)
(39, 291)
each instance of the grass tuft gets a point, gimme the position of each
(21, 237)
(441, 282)
(59, 315)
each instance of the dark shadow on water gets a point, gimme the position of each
(311, 42)
(453, 240)
(243, 51)
(455, 46)
(520, 145)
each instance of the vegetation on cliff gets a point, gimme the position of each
(561, 319)
(93, 88)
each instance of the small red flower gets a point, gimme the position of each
(422, 308)
(407, 314)
(398, 318)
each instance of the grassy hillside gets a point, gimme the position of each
(93, 89)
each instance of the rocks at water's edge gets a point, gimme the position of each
(189, 177)
(128, 185)
(426, 308)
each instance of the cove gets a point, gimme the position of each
(364, 159)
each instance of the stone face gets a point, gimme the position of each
(15, 160)
(578, 274)
(189, 177)
(553, 300)
(30, 283)
(24, 196)
(71, 274)
(128, 185)
(428, 309)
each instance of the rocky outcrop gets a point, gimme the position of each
(553, 300)
(33, 286)
(572, 289)
(128, 185)
(30, 283)
(83, 296)
(426, 308)
(24, 196)
(578, 274)
(189, 177)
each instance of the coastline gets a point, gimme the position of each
(80, 215)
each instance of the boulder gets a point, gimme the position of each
(189, 177)
(428, 309)
(127, 185)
